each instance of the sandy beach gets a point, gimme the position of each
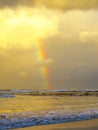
(80, 125)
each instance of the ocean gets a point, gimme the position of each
(20, 110)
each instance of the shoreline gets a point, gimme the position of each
(78, 125)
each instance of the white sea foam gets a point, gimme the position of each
(6, 95)
(17, 120)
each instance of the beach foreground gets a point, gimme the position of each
(79, 125)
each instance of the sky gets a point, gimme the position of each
(48, 44)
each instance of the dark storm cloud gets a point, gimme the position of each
(55, 4)
(15, 3)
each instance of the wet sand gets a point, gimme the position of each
(79, 125)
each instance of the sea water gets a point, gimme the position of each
(28, 110)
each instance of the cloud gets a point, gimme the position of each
(69, 4)
(43, 63)
(22, 27)
(89, 37)
(23, 74)
(54, 4)
(4, 54)
(14, 3)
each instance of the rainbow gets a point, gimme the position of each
(44, 70)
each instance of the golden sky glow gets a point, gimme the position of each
(23, 26)
(69, 33)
